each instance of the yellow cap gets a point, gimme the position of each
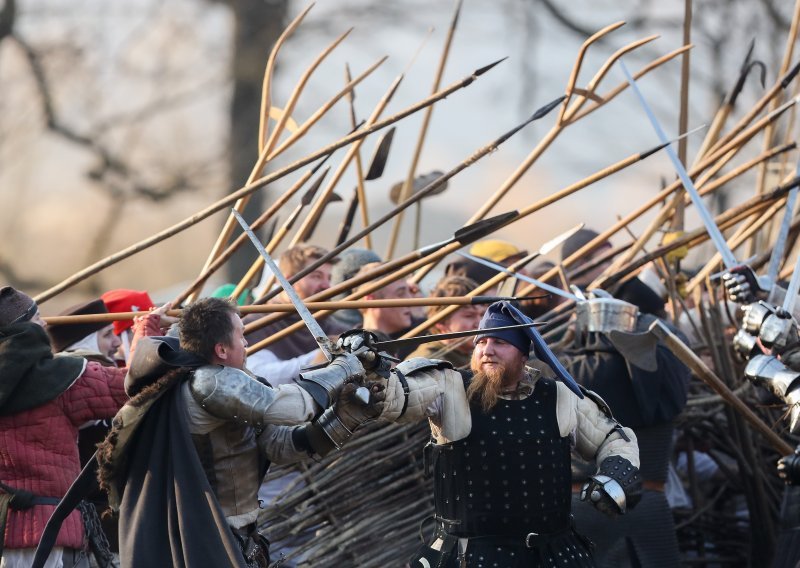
(494, 250)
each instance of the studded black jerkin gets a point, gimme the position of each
(511, 475)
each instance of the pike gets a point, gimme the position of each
(716, 236)
(430, 188)
(419, 340)
(221, 204)
(405, 191)
(389, 271)
(265, 149)
(360, 192)
(376, 168)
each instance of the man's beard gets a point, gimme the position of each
(486, 386)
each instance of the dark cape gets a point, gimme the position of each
(168, 513)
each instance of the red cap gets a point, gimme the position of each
(122, 300)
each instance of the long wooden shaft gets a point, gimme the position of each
(405, 190)
(234, 246)
(361, 192)
(266, 153)
(701, 370)
(278, 308)
(255, 186)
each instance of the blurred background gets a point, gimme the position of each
(118, 119)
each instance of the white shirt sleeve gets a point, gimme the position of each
(277, 371)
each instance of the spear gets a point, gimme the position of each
(233, 247)
(360, 193)
(258, 264)
(289, 308)
(701, 370)
(724, 111)
(376, 167)
(316, 211)
(264, 152)
(405, 192)
(430, 188)
(494, 280)
(461, 237)
(389, 272)
(256, 185)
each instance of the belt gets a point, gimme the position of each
(529, 540)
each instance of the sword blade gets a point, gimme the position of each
(517, 275)
(794, 287)
(783, 234)
(320, 336)
(716, 236)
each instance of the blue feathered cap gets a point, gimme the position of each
(501, 314)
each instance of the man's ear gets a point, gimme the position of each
(221, 351)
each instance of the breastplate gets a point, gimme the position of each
(511, 475)
(230, 458)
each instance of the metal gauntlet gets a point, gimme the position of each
(615, 487)
(770, 373)
(327, 433)
(324, 384)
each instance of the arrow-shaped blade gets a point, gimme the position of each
(414, 341)
(708, 220)
(320, 336)
(378, 162)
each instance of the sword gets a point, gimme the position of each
(322, 339)
(780, 241)
(708, 220)
(528, 279)
(794, 287)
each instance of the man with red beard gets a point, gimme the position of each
(501, 442)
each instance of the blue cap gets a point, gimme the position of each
(504, 313)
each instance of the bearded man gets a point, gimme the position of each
(500, 451)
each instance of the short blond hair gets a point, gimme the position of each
(295, 259)
(450, 286)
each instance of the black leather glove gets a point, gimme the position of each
(614, 488)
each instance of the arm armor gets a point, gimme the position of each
(231, 394)
(324, 384)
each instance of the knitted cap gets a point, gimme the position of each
(350, 262)
(497, 316)
(15, 306)
(495, 250)
(63, 335)
(577, 241)
(122, 300)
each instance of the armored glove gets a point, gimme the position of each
(333, 428)
(779, 331)
(359, 342)
(614, 488)
(742, 285)
(789, 468)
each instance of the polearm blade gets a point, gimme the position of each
(794, 287)
(716, 236)
(414, 341)
(517, 275)
(320, 336)
(783, 234)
